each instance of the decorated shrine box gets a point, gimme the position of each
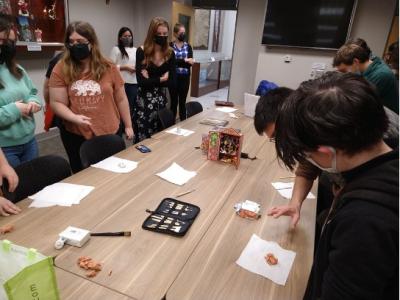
(225, 145)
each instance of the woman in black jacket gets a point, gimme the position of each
(155, 69)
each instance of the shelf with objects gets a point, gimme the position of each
(210, 75)
(39, 24)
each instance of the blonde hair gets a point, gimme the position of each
(98, 63)
(149, 44)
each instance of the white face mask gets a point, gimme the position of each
(332, 169)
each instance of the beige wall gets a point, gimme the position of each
(372, 22)
(249, 25)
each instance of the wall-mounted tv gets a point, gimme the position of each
(321, 24)
(215, 4)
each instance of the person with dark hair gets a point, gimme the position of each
(266, 113)
(50, 120)
(124, 56)
(337, 123)
(87, 92)
(155, 70)
(18, 102)
(184, 61)
(355, 58)
(392, 58)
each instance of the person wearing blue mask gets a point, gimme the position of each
(337, 122)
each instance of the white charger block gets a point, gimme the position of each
(73, 236)
(250, 103)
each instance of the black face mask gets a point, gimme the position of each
(126, 41)
(181, 37)
(161, 40)
(8, 50)
(79, 51)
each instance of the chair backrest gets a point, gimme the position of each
(167, 117)
(100, 147)
(193, 108)
(36, 174)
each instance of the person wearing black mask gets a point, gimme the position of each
(124, 56)
(18, 102)
(155, 69)
(87, 92)
(184, 61)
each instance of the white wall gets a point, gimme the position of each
(372, 22)
(106, 19)
(249, 25)
(228, 32)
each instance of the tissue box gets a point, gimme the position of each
(250, 103)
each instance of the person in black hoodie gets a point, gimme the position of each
(337, 122)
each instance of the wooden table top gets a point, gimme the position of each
(211, 271)
(147, 265)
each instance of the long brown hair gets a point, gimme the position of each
(149, 44)
(98, 63)
(13, 68)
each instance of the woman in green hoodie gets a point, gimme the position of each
(18, 102)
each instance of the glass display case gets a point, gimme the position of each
(208, 76)
(39, 22)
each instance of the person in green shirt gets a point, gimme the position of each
(355, 58)
(18, 102)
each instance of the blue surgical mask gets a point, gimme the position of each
(332, 169)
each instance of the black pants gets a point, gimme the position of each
(131, 94)
(178, 95)
(72, 143)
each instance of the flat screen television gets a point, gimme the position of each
(215, 4)
(323, 24)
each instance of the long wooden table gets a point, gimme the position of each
(150, 265)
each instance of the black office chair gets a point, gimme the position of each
(193, 108)
(167, 117)
(100, 147)
(36, 174)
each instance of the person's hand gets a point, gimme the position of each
(189, 60)
(145, 74)
(7, 172)
(24, 108)
(164, 77)
(129, 133)
(130, 69)
(8, 208)
(82, 120)
(290, 210)
(34, 107)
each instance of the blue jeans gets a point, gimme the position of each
(17, 155)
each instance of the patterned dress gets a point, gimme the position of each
(151, 96)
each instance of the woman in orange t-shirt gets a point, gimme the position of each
(87, 92)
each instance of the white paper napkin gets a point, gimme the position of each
(60, 193)
(116, 164)
(180, 131)
(253, 259)
(250, 103)
(176, 174)
(226, 109)
(286, 189)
